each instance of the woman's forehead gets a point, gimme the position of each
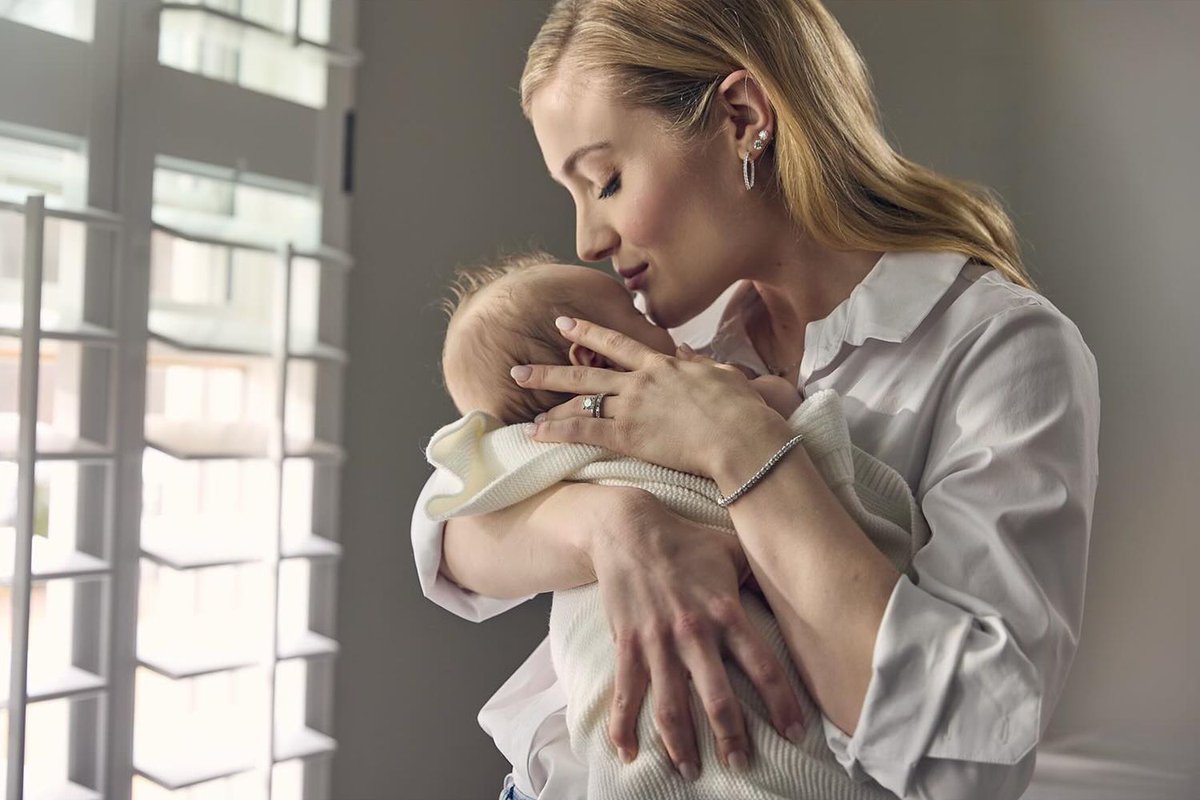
(572, 114)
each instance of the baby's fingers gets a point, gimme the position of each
(688, 354)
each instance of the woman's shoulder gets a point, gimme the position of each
(1007, 326)
(992, 305)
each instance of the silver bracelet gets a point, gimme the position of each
(725, 501)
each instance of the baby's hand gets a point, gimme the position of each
(778, 393)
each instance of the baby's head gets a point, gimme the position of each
(503, 314)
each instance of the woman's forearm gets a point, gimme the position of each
(810, 557)
(537, 545)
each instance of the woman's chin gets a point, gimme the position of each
(653, 313)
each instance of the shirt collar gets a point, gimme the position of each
(888, 304)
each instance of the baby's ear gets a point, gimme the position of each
(582, 356)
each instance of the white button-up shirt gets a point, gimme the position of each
(985, 397)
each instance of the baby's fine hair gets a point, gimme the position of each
(497, 329)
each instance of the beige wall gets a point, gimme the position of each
(1078, 113)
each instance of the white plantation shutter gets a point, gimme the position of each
(173, 205)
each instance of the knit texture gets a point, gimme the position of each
(500, 465)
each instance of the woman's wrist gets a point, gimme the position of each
(739, 458)
(624, 510)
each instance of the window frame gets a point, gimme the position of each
(130, 109)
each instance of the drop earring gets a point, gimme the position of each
(748, 163)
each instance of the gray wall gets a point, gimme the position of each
(1081, 114)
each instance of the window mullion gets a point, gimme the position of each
(136, 60)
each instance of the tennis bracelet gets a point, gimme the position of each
(725, 501)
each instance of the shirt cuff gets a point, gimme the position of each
(427, 555)
(916, 655)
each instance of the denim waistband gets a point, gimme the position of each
(511, 792)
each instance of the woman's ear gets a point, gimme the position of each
(746, 109)
(582, 356)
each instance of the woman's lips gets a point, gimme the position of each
(634, 280)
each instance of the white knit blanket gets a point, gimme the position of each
(500, 465)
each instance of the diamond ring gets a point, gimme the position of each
(592, 403)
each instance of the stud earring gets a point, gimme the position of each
(761, 141)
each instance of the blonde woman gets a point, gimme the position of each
(735, 144)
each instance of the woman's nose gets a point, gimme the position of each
(594, 242)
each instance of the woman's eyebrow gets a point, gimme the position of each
(569, 164)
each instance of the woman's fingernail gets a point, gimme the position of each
(564, 323)
(540, 417)
(795, 733)
(521, 373)
(533, 429)
(738, 761)
(625, 755)
(689, 772)
(687, 350)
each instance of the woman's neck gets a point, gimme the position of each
(804, 284)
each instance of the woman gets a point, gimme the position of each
(712, 145)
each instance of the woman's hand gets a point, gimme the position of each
(778, 393)
(669, 411)
(670, 589)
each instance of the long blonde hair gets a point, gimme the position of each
(839, 177)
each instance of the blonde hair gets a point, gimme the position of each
(485, 336)
(840, 179)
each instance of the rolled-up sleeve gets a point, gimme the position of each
(427, 554)
(971, 657)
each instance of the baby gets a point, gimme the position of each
(504, 315)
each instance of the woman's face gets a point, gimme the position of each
(641, 197)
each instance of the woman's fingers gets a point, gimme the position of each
(574, 379)
(620, 349)
(629, 692)
(763, 669)
(699, 651)
(610, 408)
(672, 707)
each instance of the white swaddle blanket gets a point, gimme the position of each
(500, 465)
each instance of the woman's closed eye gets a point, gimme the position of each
(611, 187)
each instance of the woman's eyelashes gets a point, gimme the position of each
(611, 187)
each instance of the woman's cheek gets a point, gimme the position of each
(648, 224)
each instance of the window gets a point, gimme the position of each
(169, 458)
(65, 17)
(278, 47)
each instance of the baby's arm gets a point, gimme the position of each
(778, 393)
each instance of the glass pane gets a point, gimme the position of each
(246, 207)
(301, 400)
(297, 499)
(71, 518)
(211, 724)
(64, 622)
(74, 18)
(305, 304)
(65, 246)
(288, 781)
(197, 512)
(29, 164)
(52, 728)
(194, 620)
(67, 373)
(233, 52)
(244, 786)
